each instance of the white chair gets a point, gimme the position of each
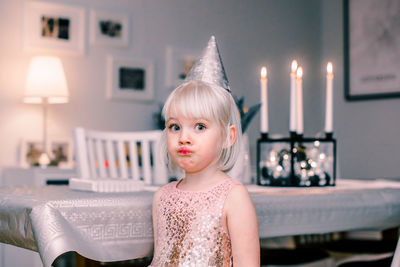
(117, 161)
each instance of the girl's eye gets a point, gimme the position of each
(174, 127)
(200, 127)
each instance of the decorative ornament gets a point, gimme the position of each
(246, 114)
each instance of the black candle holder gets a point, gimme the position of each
(296, 161)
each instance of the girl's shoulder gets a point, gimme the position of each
(165, 188)
(238, 200)
(234, 182)
(237, 192)
(168, 186)
(231, 188)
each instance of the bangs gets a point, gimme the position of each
(194, 100)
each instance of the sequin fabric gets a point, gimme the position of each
(189, 227)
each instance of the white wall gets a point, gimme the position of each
(367, 131)
(250, 34)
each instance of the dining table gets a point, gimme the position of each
(52, 220)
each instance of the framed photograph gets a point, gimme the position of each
(371, 49)
(30, 153)
(54, 27)
(60, 151)
(109, 29)
(130, 79)
(178, 64)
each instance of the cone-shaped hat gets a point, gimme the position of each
(209, 67)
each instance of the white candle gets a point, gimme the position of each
(292, 126)
(329, 100)
(299, 102)
(264, 100)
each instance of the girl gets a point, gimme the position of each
(206, 218)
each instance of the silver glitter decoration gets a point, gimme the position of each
(209, 67)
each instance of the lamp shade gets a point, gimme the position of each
(46, 81)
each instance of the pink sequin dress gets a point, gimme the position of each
(189, 227)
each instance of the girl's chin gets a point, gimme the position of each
(188, 167)
(183, 163)
(192, 169)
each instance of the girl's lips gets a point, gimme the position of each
(184, 151)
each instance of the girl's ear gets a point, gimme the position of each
(232, 135)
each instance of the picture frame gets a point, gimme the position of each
(179, 61)
(371, 54)
(130, 79)
(30, 151)
(59, 150)
(109, 28)
(51, 27)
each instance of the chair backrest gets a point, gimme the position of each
(120, 155)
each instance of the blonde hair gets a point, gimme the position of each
(198, 99)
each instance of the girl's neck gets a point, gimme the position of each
(202, 180)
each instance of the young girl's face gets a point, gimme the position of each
(193, 143)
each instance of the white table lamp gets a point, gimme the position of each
(46, 84)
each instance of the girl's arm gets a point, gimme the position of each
(243, 228)
(154, 215)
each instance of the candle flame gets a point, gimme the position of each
(263, 72)
(329, 68)
(299, 72)
(294, 66)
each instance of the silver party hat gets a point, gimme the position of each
(209, 68)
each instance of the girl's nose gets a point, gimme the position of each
(184, 138)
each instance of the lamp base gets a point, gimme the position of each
(44, 160)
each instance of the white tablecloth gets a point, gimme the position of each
(351, 205)
(110, 227)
